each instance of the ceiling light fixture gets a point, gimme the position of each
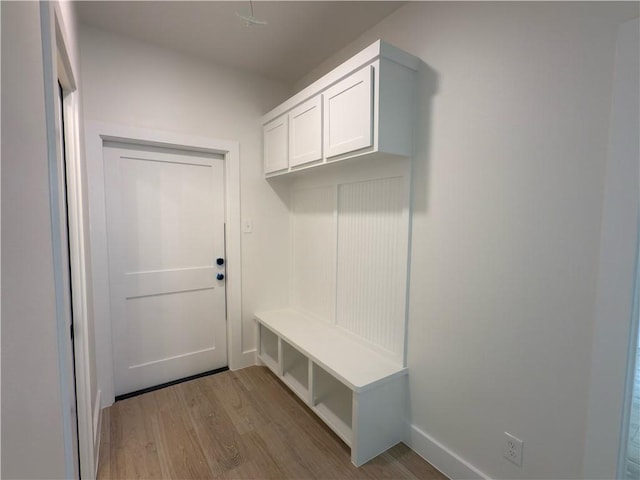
(250, 20)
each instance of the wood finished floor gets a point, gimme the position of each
(235, 425)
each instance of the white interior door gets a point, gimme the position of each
(165, 229)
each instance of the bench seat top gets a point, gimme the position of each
(351, 361)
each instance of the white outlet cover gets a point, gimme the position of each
(247, 226)
(512, 449)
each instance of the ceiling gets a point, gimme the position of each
(299, 34)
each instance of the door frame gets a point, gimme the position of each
(96, 134)
(58, 67)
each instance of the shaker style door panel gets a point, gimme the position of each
(348, 108)
(305, 133)
(276, 145)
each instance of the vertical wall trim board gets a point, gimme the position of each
(614, 324)
(336, 200)
(97, 430)
(97, 414)
(0, 251)
(233, 252)
(624, 143)
(50, 80)
(632, 366)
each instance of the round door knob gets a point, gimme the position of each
(220, 261)
(220, 276)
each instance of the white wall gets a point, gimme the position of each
(509, 176)
(130, 83)
(32, 429)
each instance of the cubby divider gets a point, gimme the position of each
(333, 402)
(268, 348)
(295, 370)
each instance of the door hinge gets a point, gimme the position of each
(71, 332)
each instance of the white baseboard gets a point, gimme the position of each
(448, 462)
(97, 428)
(246, 359)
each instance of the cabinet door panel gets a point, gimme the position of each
(305, 132)
(276, 145)
(348, 108)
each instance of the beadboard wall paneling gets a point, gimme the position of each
(314, 251)
(371, 272)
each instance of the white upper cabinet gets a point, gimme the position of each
(305, 133)
(276, 147)
(348, 120)
(361, 108)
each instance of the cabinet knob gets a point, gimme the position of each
(220, 276)
(220, 261)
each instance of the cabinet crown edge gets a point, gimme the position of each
(378, 49)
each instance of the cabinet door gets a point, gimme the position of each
(305, 132)
(348, 110)
(276, 145)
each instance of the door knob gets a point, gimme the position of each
(220, 261)
(220, 276)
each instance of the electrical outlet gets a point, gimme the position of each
(512, 449)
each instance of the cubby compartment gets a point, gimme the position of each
(295, 370)
(268, 348)
(333, 402)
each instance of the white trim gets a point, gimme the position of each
(49, 22)
(96, 134)
(0, 251)
(97, 431)
(442, 458)
(77, 254)
(628, 39)
(97, 415)
(246, 359)
(82, 341)
(614, 300)
(625, 143)
(632, 359)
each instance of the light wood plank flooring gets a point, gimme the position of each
(234, 425)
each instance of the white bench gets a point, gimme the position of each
(358, 392)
